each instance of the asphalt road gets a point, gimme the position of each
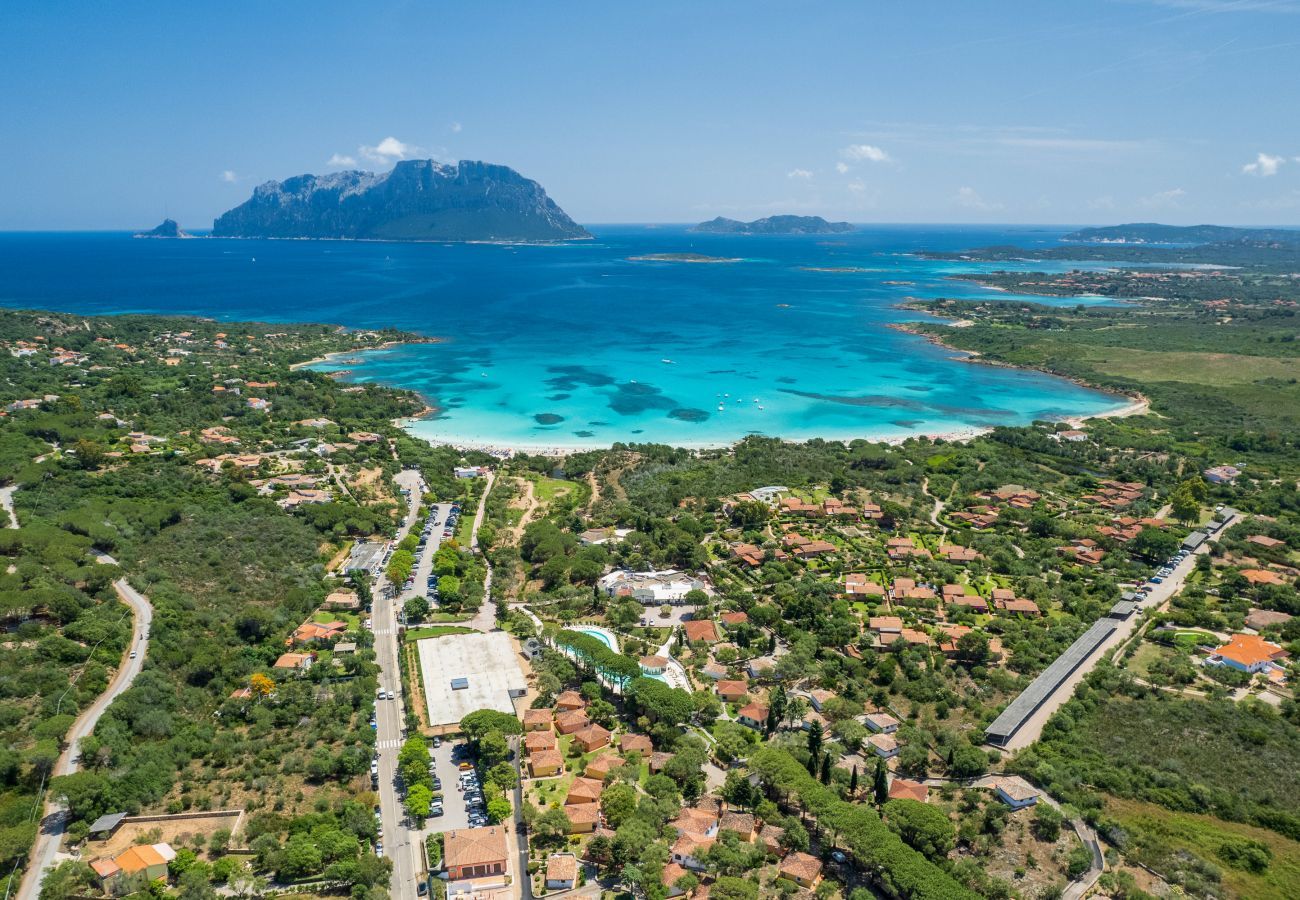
(48, 839)
(1159, 596)
(403, 843)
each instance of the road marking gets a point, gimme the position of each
(391, 744)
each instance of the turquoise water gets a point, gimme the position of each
(598, 635)
(578, 345)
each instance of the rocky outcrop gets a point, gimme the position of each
(419, 200)
(168, 229)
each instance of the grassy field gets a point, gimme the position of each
(433, 631)
(547, 489)
(1162, 836)
(1189, 367)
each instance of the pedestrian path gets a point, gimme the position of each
(393, 744)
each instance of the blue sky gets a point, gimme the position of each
(1042, 112)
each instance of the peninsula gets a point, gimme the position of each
(419, 200)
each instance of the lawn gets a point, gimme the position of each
(1196, 368)
(547, 489)
(1159, 836)
(433, 631)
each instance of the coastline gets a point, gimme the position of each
(386, 345)
(1138, 404)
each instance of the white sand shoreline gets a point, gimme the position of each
(504, 449)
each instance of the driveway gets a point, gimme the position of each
(45, 853)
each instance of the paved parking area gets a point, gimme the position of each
(453, 801)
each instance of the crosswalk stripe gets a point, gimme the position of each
(391, 744)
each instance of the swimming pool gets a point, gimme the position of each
(609, 640)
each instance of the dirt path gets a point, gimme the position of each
(7, 502)
(936, 509)
(529, 506)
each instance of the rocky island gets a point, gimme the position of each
(168, 229)
(774, 225)
(419, 200)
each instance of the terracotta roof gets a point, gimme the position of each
(584, 790)
(902, 789)
(582, 813)
(474, 846)
(570, 700)
(540, 740)
(1249, 650)
(700, 630)
(545, 759)
(754, 711)
(734, 618)
(562, 867)
(802, 866)
(538, 716)
(638, 742)
(727, 686)
(139, 858)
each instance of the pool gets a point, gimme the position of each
(610, 641)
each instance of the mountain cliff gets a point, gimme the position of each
(774, 225)
(419, 200)
(168, 229)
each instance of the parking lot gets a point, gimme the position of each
(454, 812)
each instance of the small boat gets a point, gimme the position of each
(721, 407)
(666, 361)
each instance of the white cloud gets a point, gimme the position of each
(229, 177)
(1264, 165)
(864, 153)
(858, 186)
(390, 149)
(342, 159)
(799, 173)
(971, 199)
(1163, 199)
(842, 168)
(455, 127)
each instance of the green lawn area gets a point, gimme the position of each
(352, 620)
(547, 489)
(1197, 368)
(1160, 835)
(432, 631)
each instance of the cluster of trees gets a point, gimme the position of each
(592, 654)
(900, 870)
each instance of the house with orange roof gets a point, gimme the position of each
(544, 763)
(1264, 540)
(603, 766)
(561, 872)
(742, 823)
(584, 790)
(1018, 607)
(635, 743)
(149, 860)
(701, 630)
(973, 603)
(572, 721)
(903, 789)
(888, 627)
(312, 632)
(584, 818)
(957, 554)
(295, 661)
(570, 700)
(475, 852)
(1262, 576)
(538, 719)
(734, 618)
(731, 691)
(540, 740)
(593, 737)
(689, 851)
(754, 715)
(857, 585)
(803, 869)
(1248, 653)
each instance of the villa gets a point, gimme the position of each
(1252, 654)
(650, 588)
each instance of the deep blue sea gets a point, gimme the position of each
(577, 345)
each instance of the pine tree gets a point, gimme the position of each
(826, 769)
(853, 782)
(812, 766)
(882, 783)
(815, 740)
